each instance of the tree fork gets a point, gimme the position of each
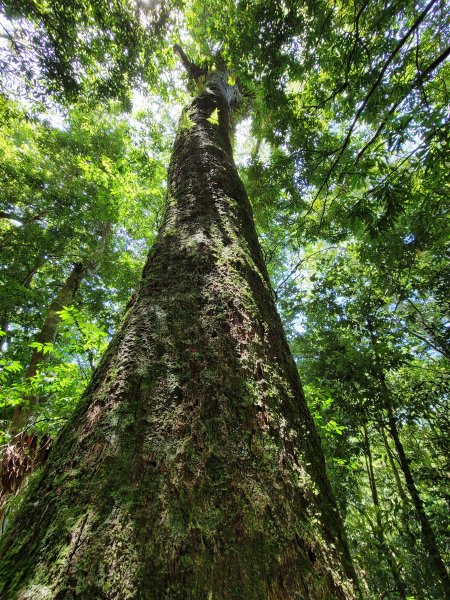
(191, 468)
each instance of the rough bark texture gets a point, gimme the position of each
(191, 469)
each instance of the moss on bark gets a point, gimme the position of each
(191, 468)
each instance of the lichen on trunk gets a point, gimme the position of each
(191, 468)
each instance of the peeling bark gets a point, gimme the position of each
(191, 469)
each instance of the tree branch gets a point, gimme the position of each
(372, 90)
(13, 217)
(194, 71)
(417, 81)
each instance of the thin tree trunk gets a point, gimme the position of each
(401, 491)
(379, 530)
(398, 482)
(191, 469)
(429, 540)
(47, 335)
(49, 329)
(428, 537)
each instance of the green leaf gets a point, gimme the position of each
(214, 118)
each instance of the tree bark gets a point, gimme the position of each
(191, 469)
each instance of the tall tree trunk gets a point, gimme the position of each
(428, 537)
(191, 469)
(47, 335)
(429, 540)
(412, 540)
(391, 459)
(379, 529)
(49, 329)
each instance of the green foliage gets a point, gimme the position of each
(319, 404)
(356, 329)
(90, 193)
(8, 366)
(214, 118)
(90, 48)
(61, 380)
